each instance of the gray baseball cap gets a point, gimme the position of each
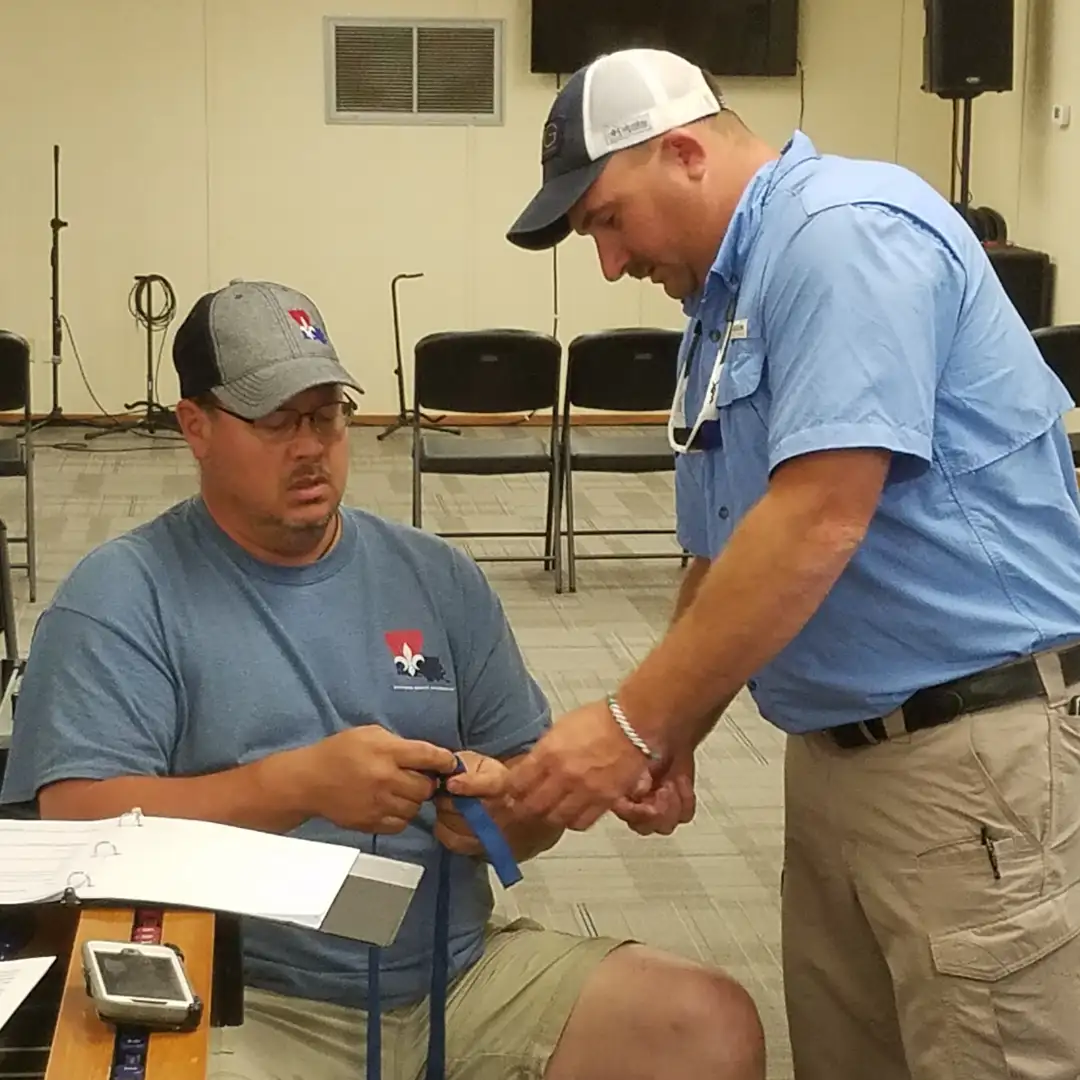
(254, 345)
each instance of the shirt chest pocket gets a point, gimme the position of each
(742, 380)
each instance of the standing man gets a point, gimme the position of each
(875, 482)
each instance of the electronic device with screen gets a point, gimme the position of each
(141, 985)
(724, 37)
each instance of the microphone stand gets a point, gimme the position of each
(55, 417)
(405, 414)
(141, 303)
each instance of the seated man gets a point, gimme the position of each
(259, 656)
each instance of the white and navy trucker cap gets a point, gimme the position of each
(254, 345)
(619, 100)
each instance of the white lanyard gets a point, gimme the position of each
(680, 439)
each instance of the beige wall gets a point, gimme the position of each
(194, 147)
(1022, 164)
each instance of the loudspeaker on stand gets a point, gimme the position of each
(968, 47)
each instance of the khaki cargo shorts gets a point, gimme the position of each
(504, 1018)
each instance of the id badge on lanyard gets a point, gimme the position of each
(681, 437)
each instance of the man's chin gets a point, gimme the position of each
(677, 290)
(310, 513)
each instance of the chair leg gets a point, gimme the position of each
(549, 522)
(7, 600)
(31, 529)
(417, 494)
(556, 528)
(571, 562)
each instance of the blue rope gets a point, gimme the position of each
(508, 872)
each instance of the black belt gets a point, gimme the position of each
(935, 705)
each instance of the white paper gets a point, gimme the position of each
(39, 858)
(184, 863)
(17, 979)
(220, 868)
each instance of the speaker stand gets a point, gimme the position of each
(965, 155)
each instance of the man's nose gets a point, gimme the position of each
(305, 443)
(613, 259)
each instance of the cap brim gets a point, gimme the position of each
(259, 393)
(543, 223)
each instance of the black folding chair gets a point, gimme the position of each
(488, 372)
(11, 663)
(17, 452)
(616, 371)
(1060, 348)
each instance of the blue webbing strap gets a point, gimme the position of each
(440, 963)
(506, 870)
(374, 1012)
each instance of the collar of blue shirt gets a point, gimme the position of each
(746, 221)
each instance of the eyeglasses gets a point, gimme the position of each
(327, 421)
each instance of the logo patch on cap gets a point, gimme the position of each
(307, 327)
(552, 141)
(617, 133)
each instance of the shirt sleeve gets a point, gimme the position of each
(857, 310)
(504, 711)
(94, 704)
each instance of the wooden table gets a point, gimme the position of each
(82, 1044)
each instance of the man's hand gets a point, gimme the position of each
(578, 770)
(667, 805)
(484, 778)
(369, 779)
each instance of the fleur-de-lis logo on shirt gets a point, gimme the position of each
(407, 661)
(415, 667)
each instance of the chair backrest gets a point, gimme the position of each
(623, 370)
(1060, 348)
(487, 371)
(14, 372)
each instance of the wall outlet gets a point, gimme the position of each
(1060, 115)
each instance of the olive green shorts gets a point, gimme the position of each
(504, 1018)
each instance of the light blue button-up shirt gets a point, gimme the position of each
(874, 319)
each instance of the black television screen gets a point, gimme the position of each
(725, 37)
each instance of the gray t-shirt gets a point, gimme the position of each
(171, 651)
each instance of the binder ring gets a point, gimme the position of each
(85, 883)
(106, 843)
(132, 817)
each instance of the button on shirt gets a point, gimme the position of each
(869, 316)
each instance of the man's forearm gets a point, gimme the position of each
(695, 574)
(688, 587)
(267, 795)
(774, 573)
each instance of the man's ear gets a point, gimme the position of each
(683, 147)
(195, 425)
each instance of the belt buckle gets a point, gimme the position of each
(850, 736)
(860, 733)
